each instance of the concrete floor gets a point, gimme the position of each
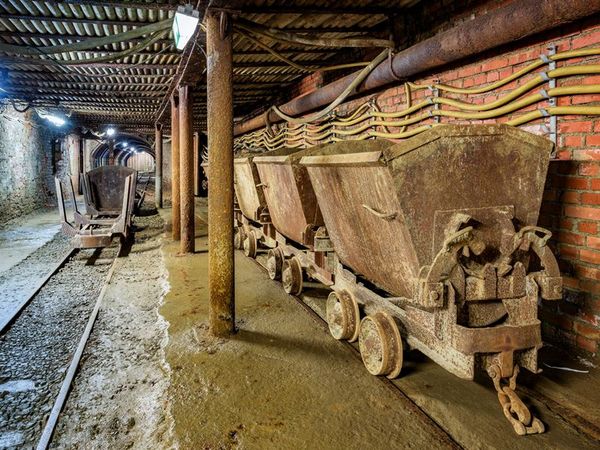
(283, 382)
(20, 238)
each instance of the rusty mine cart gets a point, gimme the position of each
(433, 240)
(109, 200)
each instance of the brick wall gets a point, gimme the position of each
(571, 206)
(26, 164)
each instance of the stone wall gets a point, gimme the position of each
(27, 164)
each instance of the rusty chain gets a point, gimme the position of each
(513, 407)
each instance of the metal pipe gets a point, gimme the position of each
(220, 167)
(500, 26)
(186, 165)
(175, 204)
(158, 156)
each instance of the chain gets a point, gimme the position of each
(513, 407)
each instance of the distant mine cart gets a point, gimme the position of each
(429, 244)
(109, 194)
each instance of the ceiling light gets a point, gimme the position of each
(110, 131)
(54, 120)
(185, 23)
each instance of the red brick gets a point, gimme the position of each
(586, 40)
(587, 344)
(574, 182)
(570, 238)
(469, 71)
(571, 282)
(593, 139)
(573, 141)
(576, 127)
(494, 64)
(566, 251)
(587, 154)
(593, 242)
(589, 198)
(587, 331)
(590, 286)
(589, 256)
(582, 212)
(595, 184)
(587, 272)
(566, 224)
(588, 227)
(570, 197)
(589, 169)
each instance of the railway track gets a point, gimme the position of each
(38, 377)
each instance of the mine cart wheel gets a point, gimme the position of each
(292, 276)
(275, 263)
(238, 240)
(250, 245)
(343, 316)
(380, 345)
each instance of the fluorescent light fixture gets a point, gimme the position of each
(185, 23)
(110, 131)
(54, 120)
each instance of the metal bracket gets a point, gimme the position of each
(436, 106)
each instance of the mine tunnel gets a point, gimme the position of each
(294, 224)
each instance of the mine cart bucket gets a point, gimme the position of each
(248, 188)
(389, 210)
(289, 194)
(104, 186)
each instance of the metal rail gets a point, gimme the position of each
(8, 321)
(59, 403)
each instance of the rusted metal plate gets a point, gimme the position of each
(248, 188)
(289, 194)
(106, 184)
(380, 209)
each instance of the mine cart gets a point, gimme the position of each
(438, 247)
(302, 246)
(109, 197)
(252, 221)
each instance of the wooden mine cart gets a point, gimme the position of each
(438, 247)
(109, 197)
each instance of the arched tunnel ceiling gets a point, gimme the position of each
(124, 144)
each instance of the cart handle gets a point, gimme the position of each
(384, 216)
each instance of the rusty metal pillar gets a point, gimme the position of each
(196, 164)
(74, 146)
(220, 168)
(175, 205)
(158, 165)
(186, 176)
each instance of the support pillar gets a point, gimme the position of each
(74, 146)
(175, 205)
(158, 159)
(196, 164)
(186, 176)
(220, 167)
